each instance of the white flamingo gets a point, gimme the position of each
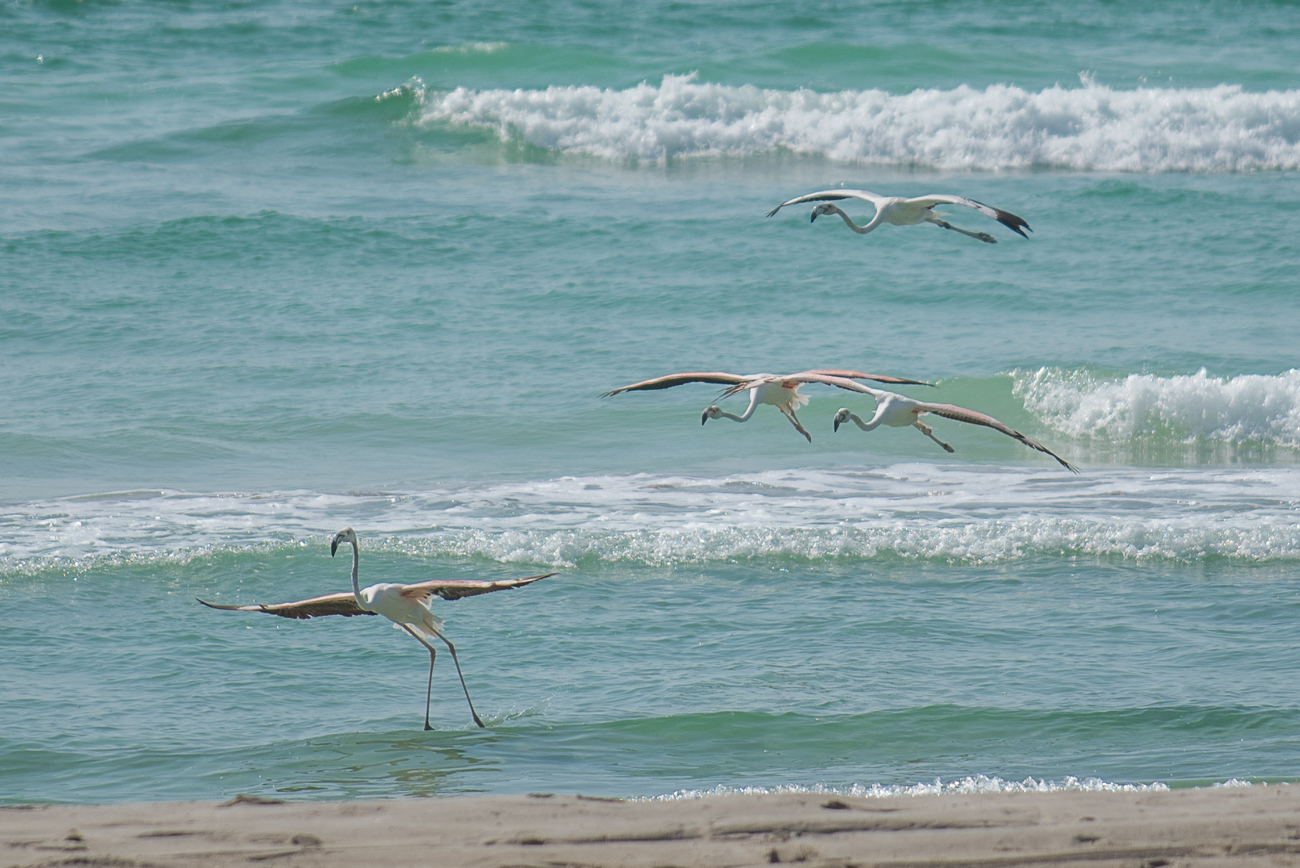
(781, 391)
(906, 212)
(899, 411)
(407, 606)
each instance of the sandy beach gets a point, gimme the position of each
(1259, 825)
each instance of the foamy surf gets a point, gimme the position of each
(1091, 127)
(942, 513)
(1252, 408)
(969, 785)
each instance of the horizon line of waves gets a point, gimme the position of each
(1245, 539)
(1188, 409)
(1091, 127)
(966, 786)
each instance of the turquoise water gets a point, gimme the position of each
(273, 269)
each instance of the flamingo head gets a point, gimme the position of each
(823, 208)
(710, 412)
(347, 535)
(841, 416)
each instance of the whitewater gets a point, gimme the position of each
(1090, 127)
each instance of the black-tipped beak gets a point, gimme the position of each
(813, 218)
(837, 423)
(704, 417)
(334, 546)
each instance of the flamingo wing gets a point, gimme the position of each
(828, 378)
(677, 380)
(453, 589)
(1006, 218)
(832, 196)
(332, 604)
(879, 378)
(961, 414)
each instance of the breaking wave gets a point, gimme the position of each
(941, 513)
(1089, 127)
(1250, 408)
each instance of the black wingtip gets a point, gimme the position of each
(773, 211)
(1014, 223)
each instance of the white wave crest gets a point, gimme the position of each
(1244, 409)
(976, 542)
(971, 785)
(471, 48)
(1090, 127)
(912, 511)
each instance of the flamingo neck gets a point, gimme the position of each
(848, 221)
(865, 426)
(749, 411)
(356, 585)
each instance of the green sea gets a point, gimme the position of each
(270, 269)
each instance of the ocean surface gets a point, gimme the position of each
(270, 269)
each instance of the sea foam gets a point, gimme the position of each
(946, 513)
(970, 785)
(1088, 127)
(1249, 408)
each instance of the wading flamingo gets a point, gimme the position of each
(781, 391)
(906, 212)
(899, 411)
(407, 606)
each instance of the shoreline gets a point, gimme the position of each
(1256, 825)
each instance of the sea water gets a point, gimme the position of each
(270, 269)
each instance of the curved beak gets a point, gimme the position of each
(837, 423)
(334, 546)
(813, 218)
(704, 417)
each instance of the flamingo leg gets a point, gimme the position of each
(789, 414)
(452, 649)
(925, 429)
(428, 692)
(982, 236)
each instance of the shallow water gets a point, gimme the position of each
(273, 270)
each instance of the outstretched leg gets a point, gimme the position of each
(789, 414)
(982, 236)
(428, 692)
(925, 429)
(452, 649)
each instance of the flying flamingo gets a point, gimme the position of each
(906, 212)
(781, 391)
(898, 411)
(407, 606)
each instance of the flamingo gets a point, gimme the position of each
(407, 606)
(899, 411)
(906, 212)
(781, 391)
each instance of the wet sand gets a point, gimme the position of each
(1225, 826)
